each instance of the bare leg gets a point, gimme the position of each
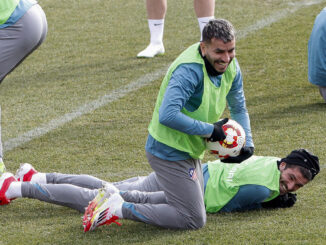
(156, 9)
(204, 10)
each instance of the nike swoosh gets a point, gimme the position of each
(158, 24)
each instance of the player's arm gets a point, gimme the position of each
(248, 197)
(182, 87)
(238, 110)
(281, 201)
(237, 106)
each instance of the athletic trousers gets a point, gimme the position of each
(21, 39)
(170, 197)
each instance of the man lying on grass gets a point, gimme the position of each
(258, 182)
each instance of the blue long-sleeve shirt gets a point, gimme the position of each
(185, 89)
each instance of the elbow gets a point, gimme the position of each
(163, 119)
(166, 117)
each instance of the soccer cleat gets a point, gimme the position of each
(151, 50)
(5, 180)
(25, 172)
(94, 204)
(104, 213)
(102, 194)
(110, 188)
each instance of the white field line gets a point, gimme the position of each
(275, 17)
(139, 83)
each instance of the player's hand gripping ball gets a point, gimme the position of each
(232, 144)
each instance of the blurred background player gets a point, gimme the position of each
(23, 27)
(317, 54)
(156, 10)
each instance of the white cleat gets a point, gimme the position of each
(151, 51)
(5, 180)
(25, 172)
(104, 214)
(93, 205)
(110, 188)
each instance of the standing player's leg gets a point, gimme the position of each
(156, 10)
(204, 10)
(25, 36)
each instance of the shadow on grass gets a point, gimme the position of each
(290, 111)
(313, 107)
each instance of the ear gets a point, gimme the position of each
(282, 165)
(203, 48)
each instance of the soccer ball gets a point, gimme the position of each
(232, 144)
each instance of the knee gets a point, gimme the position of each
(197, 221)
(201, 221)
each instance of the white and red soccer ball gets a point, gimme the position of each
(232, 144)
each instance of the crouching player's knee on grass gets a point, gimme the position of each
(165, 215)
(196, 221)
(138, 206)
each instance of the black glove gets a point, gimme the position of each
(245, 153)
(285, 201)
(218, 132)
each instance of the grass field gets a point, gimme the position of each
(82, 103)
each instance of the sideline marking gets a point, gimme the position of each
(139, 83)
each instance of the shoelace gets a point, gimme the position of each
(113, 219)
(108, 218)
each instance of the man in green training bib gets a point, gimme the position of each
(191, 100)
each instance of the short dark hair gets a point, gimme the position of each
(304, 171)
(219, 29)
(303, 158)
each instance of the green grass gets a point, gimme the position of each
(90, 51)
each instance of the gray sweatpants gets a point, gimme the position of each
(170, 197)
(21, 39)
(182, 184)
(75, 191)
